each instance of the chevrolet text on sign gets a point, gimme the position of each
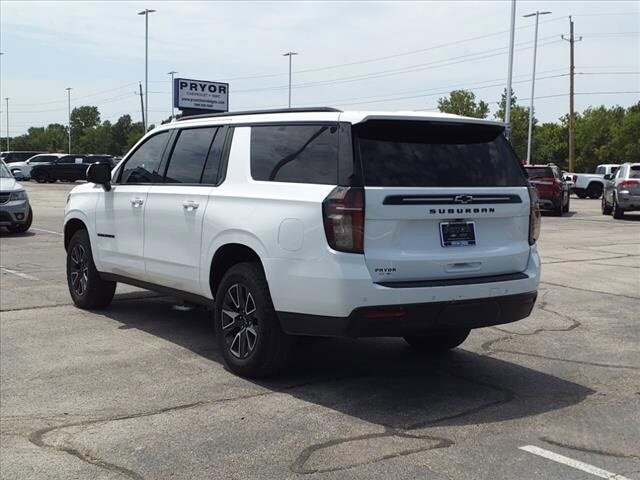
(201, 95)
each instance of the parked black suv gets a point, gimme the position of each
(68, 168)
(17, 156)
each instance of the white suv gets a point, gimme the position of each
(314, 222)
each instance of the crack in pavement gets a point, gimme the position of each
(489, 345)
(123, 298)
(588, 260)
(589, 290)
(298, 465)
(37, 437)
(587, 450)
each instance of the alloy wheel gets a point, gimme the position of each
(239, 321)
(79, 271)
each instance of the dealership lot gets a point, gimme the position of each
(139, 390)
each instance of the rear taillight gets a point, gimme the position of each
(628, 183)
(574, 177)
(343, 216)
(534, 216)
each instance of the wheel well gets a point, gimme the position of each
(71, 228)
(226, 257)
(595, 186)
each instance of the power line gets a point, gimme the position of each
(77, 98)
(403, 70)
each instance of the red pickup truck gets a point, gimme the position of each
(551, 186)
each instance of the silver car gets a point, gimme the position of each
(622, 191)
(15, 211)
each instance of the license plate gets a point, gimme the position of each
(457, 234)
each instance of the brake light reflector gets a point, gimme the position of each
(343, 218)
(534, 216)
(628, 183)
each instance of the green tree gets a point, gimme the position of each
(463, 102)
(625, 140)
(595, 129)
(82, 119)
(519, 124)
(550, 144)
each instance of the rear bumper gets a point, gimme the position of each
(629, 202)
(413, 319)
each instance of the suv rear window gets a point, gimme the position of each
(539, 172)
(430, 154)
(295, 153)
(634, 171)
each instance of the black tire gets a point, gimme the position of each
(594, 190)
(567, 205)
(22, 227)
(558, 209)
(438, 342)
(605, 207)
(87, 289)
(244, 293)
(581, 195)
(618, 213)
(41, 177)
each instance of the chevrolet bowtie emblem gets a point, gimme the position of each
(463, 199)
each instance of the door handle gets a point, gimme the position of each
(190, 205)
(136, 202)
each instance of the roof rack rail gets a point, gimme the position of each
(257, 112)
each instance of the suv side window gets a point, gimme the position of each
(43, 159)
(189, 155)
(71, 159)
(143, 165)
(295, 153)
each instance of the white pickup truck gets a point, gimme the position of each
(592, 184)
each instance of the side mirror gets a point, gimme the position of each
(100, 173)
(608, 176)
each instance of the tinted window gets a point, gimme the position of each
(295, 153)
(539, 172)
(71, 159)
(634, 171)
(43, 158)
(426, 154)
(189, 155)
(601, 170)
(143, 165)
(211, 169)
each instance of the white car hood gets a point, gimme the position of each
(9, 184)
(16, 164)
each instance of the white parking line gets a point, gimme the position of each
(47, 231)
(570, 462)
(18, 274)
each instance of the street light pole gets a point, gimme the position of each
(7, 100)
(533, 80)
(172, 73)
(146, 13)
(68, 89)
(1, 54)
(289, 54)
(507, 103)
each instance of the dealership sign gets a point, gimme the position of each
(200, 95)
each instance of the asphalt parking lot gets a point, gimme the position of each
(139, 391)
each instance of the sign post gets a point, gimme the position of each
(196, 97)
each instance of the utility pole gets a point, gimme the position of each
(7, 100)
(533, 81)
(69, 116)
(146, 13)
(172, 73)
(2, 53)
(142, 107)
(572, 120)
(507, 103)
(291, 54)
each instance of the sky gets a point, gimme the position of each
(352, 55)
